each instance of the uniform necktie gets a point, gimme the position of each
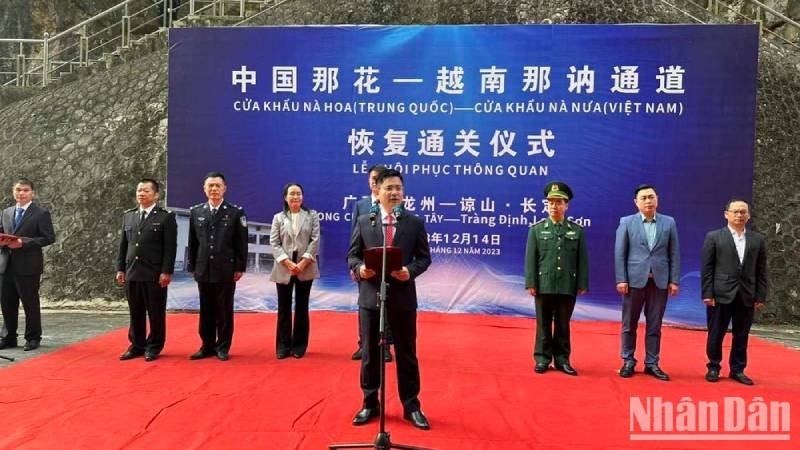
(18, 217)
(213, 213)
(390, 229)
(144, 216)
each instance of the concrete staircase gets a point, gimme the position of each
(157, 39)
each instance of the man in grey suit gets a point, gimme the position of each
(647, 266)
(362, 207)
(734, 283)
(24, 264)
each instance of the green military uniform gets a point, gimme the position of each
(557, 266)
(555, 258)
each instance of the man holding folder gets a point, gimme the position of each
(25, 229)
(406, 232)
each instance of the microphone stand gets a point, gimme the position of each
(382, 439)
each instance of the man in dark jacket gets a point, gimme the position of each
(145, 263)
(217, 258)
(734, 284)
(29, 228)
(407, 232)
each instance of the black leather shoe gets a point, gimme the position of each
(200, 354)
(8, 343)
(541, 367)
(33, 344)
(130, 354)
(282, 354)
(418, 419)
(656, 372)
(627, 369)
(741, 378)
(150, 356)
(357, 355)
(388, 355)
(298, 355)
(364, 415)
(222, 355)
(567, 369)
(712, 375)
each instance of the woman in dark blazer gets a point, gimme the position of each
(294, 238)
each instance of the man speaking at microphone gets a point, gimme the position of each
(407, 232)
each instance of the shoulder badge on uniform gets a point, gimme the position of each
(539, 221)
(132, 209)
(197, 205)
(574, 223)
(243, 220)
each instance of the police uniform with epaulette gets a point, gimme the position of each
(217, 249)
(556, 270)
(147, 249)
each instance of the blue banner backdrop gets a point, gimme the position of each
(478, 118)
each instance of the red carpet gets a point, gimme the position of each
(478, 390)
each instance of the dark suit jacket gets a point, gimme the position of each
(411, 237)
(36, 231)
(218, 247)
(146, 250)
(723, 276)
(359, 209)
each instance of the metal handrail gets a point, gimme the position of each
(775, 13)
(22, 41)
(47, 68)
(143, 24)
(20, 59)
(91, 19)
(263, 11)
(713, 8)
(105, 43)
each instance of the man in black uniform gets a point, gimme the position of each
(145, 264)
(217, 258)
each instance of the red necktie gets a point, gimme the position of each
(390, 230)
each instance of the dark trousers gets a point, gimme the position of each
(147, 300)
(389, 337)
(288, 338)
(654, 302)
(404, 326)
(553, 309)
(719, 317)
(216, 315)
(25, 288)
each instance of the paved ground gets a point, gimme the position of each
(63, 328)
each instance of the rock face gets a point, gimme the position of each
(31, 18)
(85, 145)
(87, 142)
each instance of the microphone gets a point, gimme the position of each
(397, 211)
(373, 213)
